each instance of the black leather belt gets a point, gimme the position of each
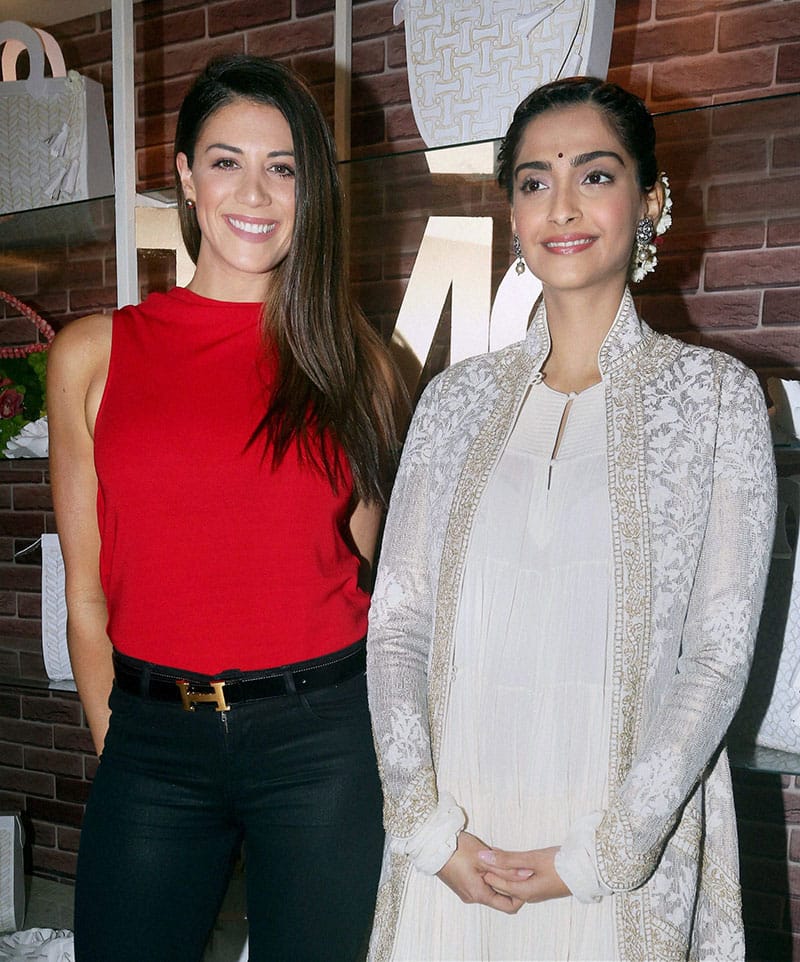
(235, 688)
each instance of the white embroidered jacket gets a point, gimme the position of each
(692, 490)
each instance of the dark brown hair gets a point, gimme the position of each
(335, 378)
(626, 113)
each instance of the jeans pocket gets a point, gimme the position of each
(344, 703)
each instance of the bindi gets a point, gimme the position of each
(560, 154)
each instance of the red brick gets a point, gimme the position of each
(751, 269)
(245, 14)
(90, 765)
(91, 300)
(686, 77)
(10, 755)
(396, 56)
(144, 9)
(53, 860)
(784, 233)
(635, 77)
(187, 59)
(72, 790)
(782, 306)
(369, 56)
(385, 89)
(307, 8)
(29, 605)
(85, 51)
(769, 349)
(788, 69)
(374, 20)
(315, 67)
(68, 839)
(776, 195)
(29, 497)
(8, 603)
(73, 739)
(21, 524)
(284, 39)
(158, 32)
(785, 150)
(59, 813)
(41, 833)
(694, 161)
(678, 8)
(19, 577)
(671, 313)
(58, 763)
(367, 129)
(760, 26)
(31, 666)
(759, 116)
(156, 99)
(26, 732)
(30, 783)
(56, 711)
(74, 28)
(694, 35)
(675, 272)
(694, 235)
(628, 12)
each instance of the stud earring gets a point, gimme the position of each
(518, 254)
(190, 203)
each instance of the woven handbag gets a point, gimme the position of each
(23, 371)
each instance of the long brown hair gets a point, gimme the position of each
(335, 379)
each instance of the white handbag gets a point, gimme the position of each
(54, 145)
(769, 716)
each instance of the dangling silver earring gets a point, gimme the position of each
(644, 250)
(518, 254)
(190, 203)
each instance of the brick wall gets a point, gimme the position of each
(728, 277)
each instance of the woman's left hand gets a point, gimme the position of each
(528, 876)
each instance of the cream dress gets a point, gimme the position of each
(526, 744)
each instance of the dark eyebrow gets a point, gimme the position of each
(582, 159)
(238, 150)
(577, 161)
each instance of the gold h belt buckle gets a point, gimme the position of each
(191, 698)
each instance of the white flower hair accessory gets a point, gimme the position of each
(645, 255)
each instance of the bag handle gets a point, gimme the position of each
(13, 48)
(38, 322)
(13, 30)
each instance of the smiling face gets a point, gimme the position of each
(576, 201)
(242, 182)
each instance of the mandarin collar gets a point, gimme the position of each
(627, 337)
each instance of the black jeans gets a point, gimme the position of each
(293, 776)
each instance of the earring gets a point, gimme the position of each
(518, 254)
(644, 250)
(190, 203)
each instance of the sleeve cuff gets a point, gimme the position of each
(431, 846)
(576, 862)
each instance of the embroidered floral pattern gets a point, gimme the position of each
(692, 494)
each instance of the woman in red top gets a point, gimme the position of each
(219, 457)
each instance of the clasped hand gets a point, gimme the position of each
(502, 880)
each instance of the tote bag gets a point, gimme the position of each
(54, 145)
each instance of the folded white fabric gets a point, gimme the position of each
(431, 846)
(576, 861)
(38, 945)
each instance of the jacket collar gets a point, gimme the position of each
(627, 337)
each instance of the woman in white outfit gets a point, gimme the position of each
(570, 582)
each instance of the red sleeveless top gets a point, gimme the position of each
(211, 559)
